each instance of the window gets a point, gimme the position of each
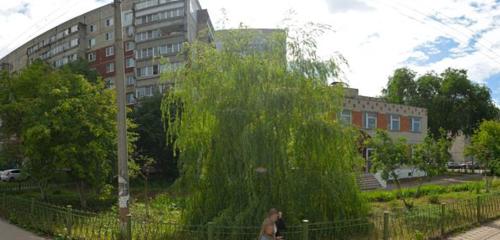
(147, 71)
(109, 22)
(130, 80)
(127, 19)
(74, 42)
(370, 120)
(146, 91)
(130, 31)
(74, 28)
(130, 98)
(144, 36)
(91, 42)
(415, 124)
(92, 28)
(110, 67)
(109, 36)
(346, 116)
(129, 46)
(91, 56)
(130, 62)
(394, 122)
(109, 83)
(110, 51)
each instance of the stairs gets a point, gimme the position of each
(367, 181)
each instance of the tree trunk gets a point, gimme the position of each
(81, 193)
(41, 186)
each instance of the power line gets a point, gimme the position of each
(453, 28)
(446, 26)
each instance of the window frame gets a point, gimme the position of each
(412, 120)
(343, 116)
(394, 118)
(109, 22)
(110, 67)
(111, 52)
(93, 58)
(366, 119)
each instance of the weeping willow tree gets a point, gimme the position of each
(256, 129)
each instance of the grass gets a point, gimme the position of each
(386, 200)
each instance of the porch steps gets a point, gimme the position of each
(367, 181)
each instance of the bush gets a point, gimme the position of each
(380, 196)
(426, 190)
(434, 199)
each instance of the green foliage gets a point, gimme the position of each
(453, 102)
(485, 146)
(432, 156)
(64, 124)
(434, 199)
(389, 155)
(152, 141)
(416, 192)
(254, 132)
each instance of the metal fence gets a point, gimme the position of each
(430, 222)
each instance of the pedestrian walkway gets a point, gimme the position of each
(490, 231)
(12, 232)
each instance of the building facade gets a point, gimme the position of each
(400, 121)
(153, 35)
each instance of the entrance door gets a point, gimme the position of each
(368, 162)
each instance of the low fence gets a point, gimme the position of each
(430, 222)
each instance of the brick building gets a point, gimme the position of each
(369, 114)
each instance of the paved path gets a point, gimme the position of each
(12, 232)
(490, 231)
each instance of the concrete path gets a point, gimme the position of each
(490, 231)
(12, 232)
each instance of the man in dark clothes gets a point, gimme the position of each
(280, 226)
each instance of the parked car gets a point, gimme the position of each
(10, 175)
(472, 165)
(453, 165)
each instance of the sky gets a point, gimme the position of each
(374, 36)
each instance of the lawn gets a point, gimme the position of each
(387, 200)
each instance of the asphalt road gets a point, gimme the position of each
(12, 232)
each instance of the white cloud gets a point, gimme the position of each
(346, 5)
(23, 20)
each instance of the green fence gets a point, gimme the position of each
(431, 222)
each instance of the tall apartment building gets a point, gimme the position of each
(153, 33)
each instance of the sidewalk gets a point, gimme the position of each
(490, 231)
(12, 232)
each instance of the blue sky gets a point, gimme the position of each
(375, 36)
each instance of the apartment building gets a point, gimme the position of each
(153, 35)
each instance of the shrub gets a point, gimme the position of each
(434, 199)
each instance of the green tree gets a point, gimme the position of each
(454, 103)
(401, 87)
(152, 140)
(388, 157)
(64, 124)
(485, 148)
(255, 133)
(431, 156)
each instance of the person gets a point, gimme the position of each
(267, 230)
(273, 215)
(280, 226)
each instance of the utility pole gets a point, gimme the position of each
(123, 184)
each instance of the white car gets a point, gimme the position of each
(10, 175)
